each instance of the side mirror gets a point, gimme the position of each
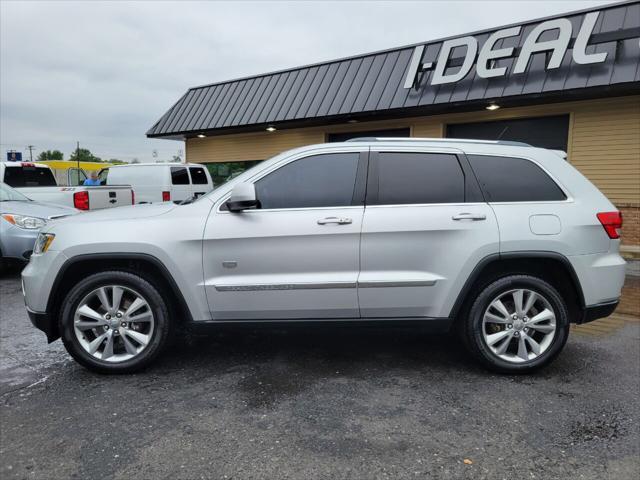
(243, 197)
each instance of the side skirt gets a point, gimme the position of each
(432, 325)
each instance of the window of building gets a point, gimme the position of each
(198, 176)
(315, 181)
(179, 176)
(411, 178)
(506, 179)
(343, 137)
(542, 132)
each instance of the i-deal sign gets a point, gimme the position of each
(486, 58)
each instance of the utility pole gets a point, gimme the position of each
(78, 157)
(30, 147)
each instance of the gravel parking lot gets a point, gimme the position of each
(319, 403)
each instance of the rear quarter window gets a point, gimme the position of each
(511, 179)
(198, 176)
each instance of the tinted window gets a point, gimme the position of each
(29, 177)
(409, 178)
(316, 181)
(198, 177)
(179, 176)
(506, 179)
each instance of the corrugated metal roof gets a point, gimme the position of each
(374, 83)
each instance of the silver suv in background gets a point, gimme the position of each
(20, 221)
(504, 243)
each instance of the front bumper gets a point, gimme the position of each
(16, 242)
(44, 322)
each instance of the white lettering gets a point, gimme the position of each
(580, 54)
(413, 66)
(439, 76)
(487, 53)
(558, 47)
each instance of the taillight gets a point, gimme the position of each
(81, 200)
(166, 196)
(612, 223)
(133, 197)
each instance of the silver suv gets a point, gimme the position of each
(504, 243)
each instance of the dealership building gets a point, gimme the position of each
(569, 82)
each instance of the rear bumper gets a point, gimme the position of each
(601, 310)
(44, 322)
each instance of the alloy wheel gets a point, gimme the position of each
(114, 323)
(519, 325)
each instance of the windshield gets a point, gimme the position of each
(8, 194)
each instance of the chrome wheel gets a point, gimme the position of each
(113, 323)
(519, 325)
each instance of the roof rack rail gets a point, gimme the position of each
(438, 140)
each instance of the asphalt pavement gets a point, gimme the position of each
(311, 403)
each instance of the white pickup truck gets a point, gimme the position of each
(37, 182)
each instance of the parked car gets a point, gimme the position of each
(20, 221)
(161, 182)
(37, 181)
(504, 243)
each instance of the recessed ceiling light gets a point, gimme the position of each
(353, 120)
(271, 129)
(493, 106)
(201, 135)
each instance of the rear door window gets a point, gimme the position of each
(198, 176)
(417, 178)
(29, 177)
(179, 176)
(509, 179)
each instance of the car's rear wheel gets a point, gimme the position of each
(517, 324)
(114, 322)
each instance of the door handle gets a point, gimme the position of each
(469, 216)
(336, 220)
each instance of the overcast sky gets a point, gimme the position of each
(104, 72)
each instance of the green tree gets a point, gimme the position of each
(50, 155)
(84, 155)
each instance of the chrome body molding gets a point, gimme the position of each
(283, 286)
(322, 286)
(397, 283)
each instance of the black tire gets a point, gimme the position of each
(472, 324)
(156, 303)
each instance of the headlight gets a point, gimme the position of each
(22, 221)
(43, 242)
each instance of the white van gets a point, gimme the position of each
(160, 182)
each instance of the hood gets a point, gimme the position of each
(132, 212)
(36, 209)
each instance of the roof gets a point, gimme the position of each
(374, 84)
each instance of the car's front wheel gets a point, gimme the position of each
(114, 322)
(517, 324)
